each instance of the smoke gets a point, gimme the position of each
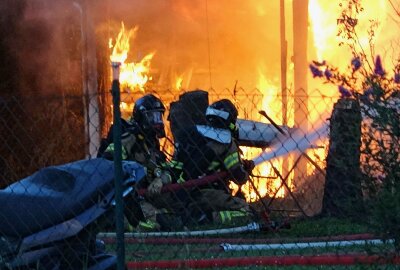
(11, 11)
(211, 43)
(44, 37)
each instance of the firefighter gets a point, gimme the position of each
(206, 150)
(140, 137)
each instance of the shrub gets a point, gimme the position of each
(377, 91)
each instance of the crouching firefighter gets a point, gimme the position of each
(208, 149)
(140, 137)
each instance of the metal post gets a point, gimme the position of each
(119, 211)
(89, 80)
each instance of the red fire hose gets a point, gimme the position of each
(267, 260)
(190, 183)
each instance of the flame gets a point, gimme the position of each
(126, 107)
(269, 183)
(376, 16)
(272, 105)
(178, 82)
(121, 47)
(324, 28)
(132, 75)
(324, 15)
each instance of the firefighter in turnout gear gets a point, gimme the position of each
(208, 149)
(140, 142)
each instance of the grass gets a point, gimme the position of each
(317, 227)
(299, 228)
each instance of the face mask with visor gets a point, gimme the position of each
(155, 121)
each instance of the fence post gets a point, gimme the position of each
(343, 195)
(119, 211)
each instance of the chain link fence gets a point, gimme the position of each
(324, 191)
(306, 206)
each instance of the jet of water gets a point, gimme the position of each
(293, 142)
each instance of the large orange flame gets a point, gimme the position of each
(324, 32)
(133, 75)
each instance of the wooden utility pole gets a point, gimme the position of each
(283, 62)
(300, 37)
(282, 26)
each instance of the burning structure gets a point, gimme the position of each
(255, 53)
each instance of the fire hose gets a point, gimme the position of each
(331, 259)
(299, 143)
(205, 180)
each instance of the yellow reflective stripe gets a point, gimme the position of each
(180, 179)
(233, 127)
(237, 214)
(148, 224)
(164, 165)
(124, 153)
(175, 164)
(130, 228)
(225, 216)
(110, 148)
(228, 215)
(222, 215)
(231, 160)
(213, 165)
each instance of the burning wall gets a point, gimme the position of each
(192, 39)
(214, 43)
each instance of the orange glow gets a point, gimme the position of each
(270, 183)
(324, 15)
(126, 107)
(133, 75)
(323, 30)
(272, 105)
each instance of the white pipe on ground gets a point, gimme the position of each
(229, 247)
(249, 227)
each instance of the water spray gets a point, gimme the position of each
(293, 142)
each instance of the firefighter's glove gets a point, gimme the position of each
(163, 174)
(248, 165)
(155, 187)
